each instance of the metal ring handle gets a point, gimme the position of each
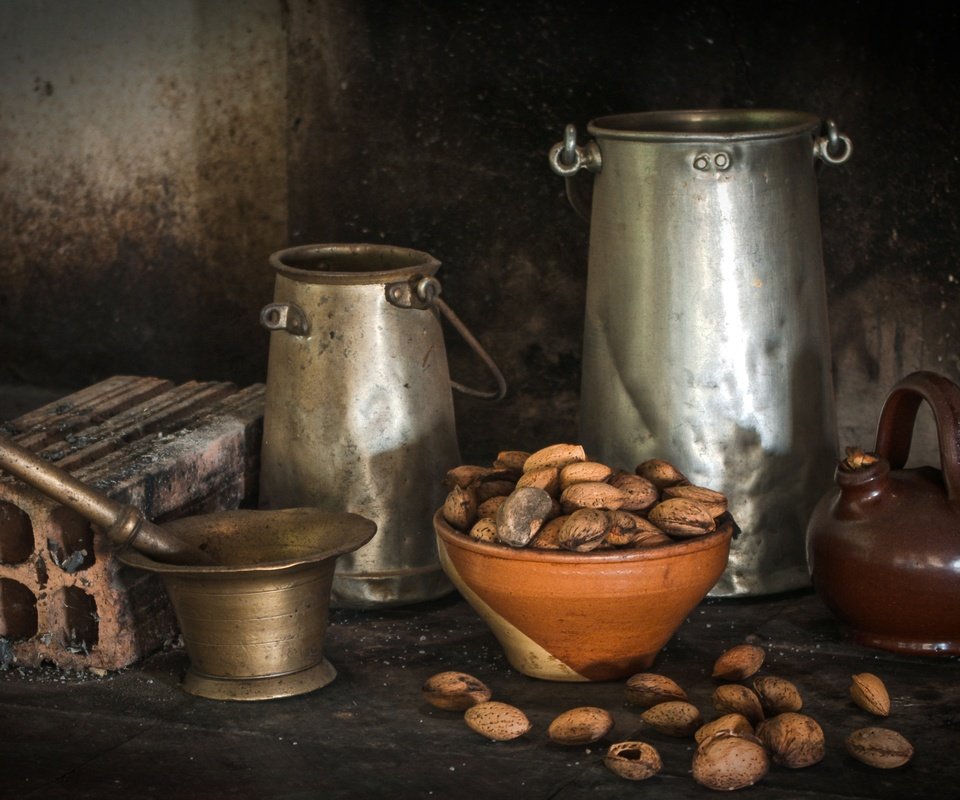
(567, 158)
(835, 147)
(428, 290)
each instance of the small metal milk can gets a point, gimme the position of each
(359, 410)
(706, 340)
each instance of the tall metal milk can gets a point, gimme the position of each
(359, 410)
(706, 340)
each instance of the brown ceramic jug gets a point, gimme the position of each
(883, 546)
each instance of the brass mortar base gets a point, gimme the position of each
(267, 687)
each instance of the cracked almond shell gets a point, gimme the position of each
(454, 691)
(635, 761)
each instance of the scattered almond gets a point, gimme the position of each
(647, 689)
(879, 747)
(582, 725)
(777, 695)
(739, 662)
(794, 740)
(728, 761)
(673, 718)
(497, 721)
(732, 698)
(870, 693)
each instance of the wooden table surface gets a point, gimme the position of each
(369, 734)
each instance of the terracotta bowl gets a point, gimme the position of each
(566, 616)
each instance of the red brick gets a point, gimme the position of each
(170, 450)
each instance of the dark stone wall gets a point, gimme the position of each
(427, 124)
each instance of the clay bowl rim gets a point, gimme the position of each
(726, 530)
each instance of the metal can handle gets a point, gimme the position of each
(424, 293)
(835, 147)
(567, 158)
(285, 317)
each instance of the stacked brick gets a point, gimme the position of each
(171, 450)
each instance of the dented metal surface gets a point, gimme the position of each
(706, 339)
(359, 413)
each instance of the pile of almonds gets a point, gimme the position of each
(558, 498)
(754, 725)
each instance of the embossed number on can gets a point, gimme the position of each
(712, 162)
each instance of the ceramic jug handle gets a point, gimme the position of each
(895, 428)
